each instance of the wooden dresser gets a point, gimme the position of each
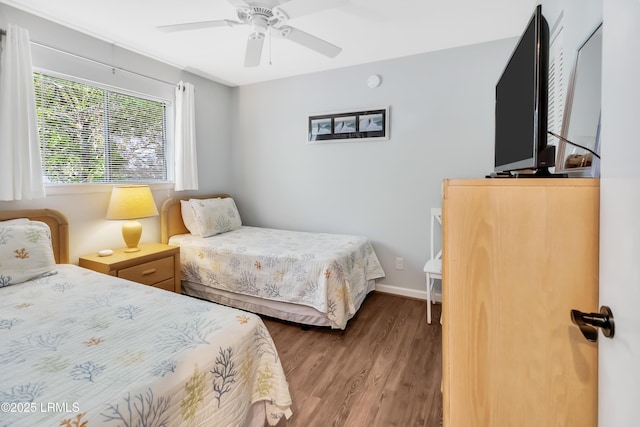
(518, 255)
(155, 265)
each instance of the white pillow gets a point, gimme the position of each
(25, 251)
(188, 218)
(15, 221)
(215, 216)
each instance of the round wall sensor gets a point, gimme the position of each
(374, 81)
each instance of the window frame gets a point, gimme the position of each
(77, 188)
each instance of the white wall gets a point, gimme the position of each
(89, 231)
(442, 118)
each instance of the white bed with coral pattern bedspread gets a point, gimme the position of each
(328, 272)
(310, 278)
(80, 348)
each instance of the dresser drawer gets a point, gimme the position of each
(150, 272)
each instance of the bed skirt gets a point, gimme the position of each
(280, 310)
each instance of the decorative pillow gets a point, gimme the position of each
(25, 251)
(215, 216)
(187, 217)
(15, 221)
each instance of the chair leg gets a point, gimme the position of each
(429, 284)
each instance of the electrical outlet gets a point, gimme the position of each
(399, 264)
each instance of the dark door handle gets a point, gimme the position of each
(588, 322)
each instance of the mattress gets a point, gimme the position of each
(79, 348)
(326, 272)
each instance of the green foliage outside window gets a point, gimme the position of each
(92, 135)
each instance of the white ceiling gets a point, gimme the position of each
(366, 30)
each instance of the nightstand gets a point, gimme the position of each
(155, 265)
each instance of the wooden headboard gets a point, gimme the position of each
(171, 216)
(56, 221)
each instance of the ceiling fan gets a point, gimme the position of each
(265, 16)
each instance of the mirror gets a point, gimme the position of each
(581, 123)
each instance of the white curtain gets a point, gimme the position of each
(186, 167)
(20, 166)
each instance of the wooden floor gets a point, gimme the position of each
(384, 370)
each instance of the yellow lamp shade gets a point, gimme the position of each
(131, 202)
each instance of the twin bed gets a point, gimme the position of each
(309, 278)
(79, 348)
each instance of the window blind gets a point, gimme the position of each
(92, 134)
(556, 84)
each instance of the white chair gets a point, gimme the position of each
(433, 267)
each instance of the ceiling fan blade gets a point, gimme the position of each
(254, 50)
(310, 41)
(295, 8)
(238, 3)
(198, 25)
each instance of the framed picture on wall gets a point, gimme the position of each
(321, 126)
(348, 126)
(344, 124)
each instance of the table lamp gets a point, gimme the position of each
(131, 202)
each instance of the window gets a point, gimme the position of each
(91, 134)
(556, 83)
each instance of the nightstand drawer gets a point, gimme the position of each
(167, 285)
(150, 272)
(155, 264)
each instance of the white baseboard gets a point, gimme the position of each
(406, 292)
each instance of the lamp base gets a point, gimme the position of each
(131, 233)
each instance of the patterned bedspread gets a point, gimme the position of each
(320, 270)
(83, 349)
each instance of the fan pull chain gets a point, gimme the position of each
(270, 37)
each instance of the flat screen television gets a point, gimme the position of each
(521, 104)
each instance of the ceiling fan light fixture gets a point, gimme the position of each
(256, 36)
(259, 24)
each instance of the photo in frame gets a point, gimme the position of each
(348, 126)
